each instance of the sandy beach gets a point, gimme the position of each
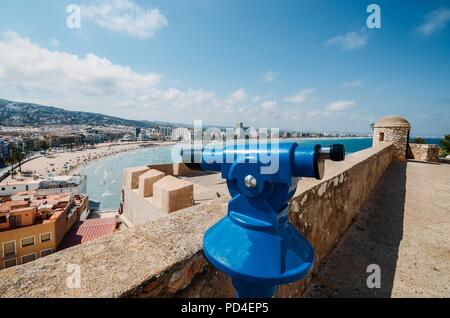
(67, 162)
(63, 163)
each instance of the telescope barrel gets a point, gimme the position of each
(308, 160)
(261, 179)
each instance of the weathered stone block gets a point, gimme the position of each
(147, 180)
(167, 168)
(180, 169)
(423, 152)
(176, 169)
(171, 194)
(131, 176)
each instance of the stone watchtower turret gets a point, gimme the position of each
(393, 129)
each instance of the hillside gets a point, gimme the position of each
(27, 114)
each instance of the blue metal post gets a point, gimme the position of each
(255, 244)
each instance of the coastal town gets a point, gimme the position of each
(19, 144)
(40, 169)
(189, 150)
(42, 184)
(45, 207)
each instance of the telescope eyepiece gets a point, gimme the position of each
(335, 152)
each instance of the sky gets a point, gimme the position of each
(299, 65)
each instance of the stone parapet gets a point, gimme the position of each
(131, 176)
(422, 152)
(176, 169)
(147, 180)
(148, 193)
(172, 194)
(164, 258)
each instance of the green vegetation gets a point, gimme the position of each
(17, 156)
(445, 147)
(44, 145)
(419, 140)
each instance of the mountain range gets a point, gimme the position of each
(27, 114)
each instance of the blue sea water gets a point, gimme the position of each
(431, 141)
(104, 176)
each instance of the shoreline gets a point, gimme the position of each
(70, 162)
(78, 160)
(77, 169)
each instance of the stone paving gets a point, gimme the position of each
(405, 229)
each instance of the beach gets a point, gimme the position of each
(67, 162)
(64, 163)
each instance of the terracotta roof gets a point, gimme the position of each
(8, 206)
(88, 230)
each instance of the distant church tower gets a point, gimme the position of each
(393, 129)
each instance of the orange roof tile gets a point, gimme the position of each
(91, 229)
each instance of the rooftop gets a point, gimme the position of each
(392, 121)
(34, 201)
(73, 179)
(43, 208)
(88, 230)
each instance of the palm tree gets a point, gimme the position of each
(17, 156)
(445, 146)
(20, 155)
(10, 159)
(44, 145)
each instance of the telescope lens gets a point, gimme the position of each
(337, 152)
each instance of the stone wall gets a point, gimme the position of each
(164, 258)
(397, 135)
(151, 192)
(423, 152)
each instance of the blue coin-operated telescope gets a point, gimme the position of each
(255, 244)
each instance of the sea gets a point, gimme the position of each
(104, 176)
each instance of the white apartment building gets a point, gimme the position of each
(75, 184)
(182, 134)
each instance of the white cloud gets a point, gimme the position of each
(125, 16)
(301, 97)
(179, 106)
(314, 114)
(340, 105)
(238, 96)
(268, 105)
(269, 76)
(351, 84)
(256, 99)
(88, 83)
(349, 41)
(435, 21)
(36, 68)
(32, 73)
(29, 72)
